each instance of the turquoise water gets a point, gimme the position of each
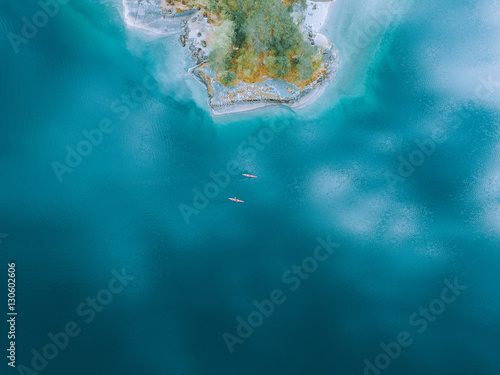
(329, 170)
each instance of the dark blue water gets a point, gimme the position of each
(330, 169)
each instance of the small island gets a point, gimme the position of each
(247, 53)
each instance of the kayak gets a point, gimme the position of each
(249, 175)
(236, 200)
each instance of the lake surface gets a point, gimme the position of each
(397, 162)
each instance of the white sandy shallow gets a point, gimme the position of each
(150, 16)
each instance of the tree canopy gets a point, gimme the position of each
(260, 37)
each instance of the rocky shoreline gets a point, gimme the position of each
(271, 91)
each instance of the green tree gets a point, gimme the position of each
(280, 66)
(227, 78)
(304, 67)
(247, 59)
(220, 54)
